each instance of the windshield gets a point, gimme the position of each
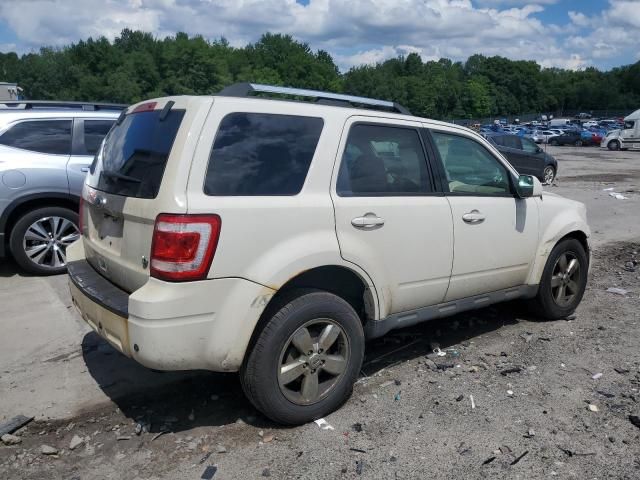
(134, 154)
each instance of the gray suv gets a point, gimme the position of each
(46, 149)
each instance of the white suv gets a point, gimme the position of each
(272, 237)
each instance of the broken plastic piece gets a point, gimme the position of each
(14, 424)
(617, 291)
(323, 424)
(596, 376)
(209, 472)
(473, 404)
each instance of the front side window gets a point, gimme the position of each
(42, 136)
(94, 132)
(261, 154)
(512, 141)
(629, 124)
(383, 160)
(469, 167)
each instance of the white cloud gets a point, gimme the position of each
(354, 31)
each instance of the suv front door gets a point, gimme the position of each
(390, 221)
(495, 233)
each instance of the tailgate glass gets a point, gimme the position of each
(134, 154)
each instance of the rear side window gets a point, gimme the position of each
(261, 154)
(135, 153)
(43, 136)
(94, 132)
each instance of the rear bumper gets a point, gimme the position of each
(172, 326)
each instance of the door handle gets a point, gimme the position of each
(473, 217)
(84, 169)
(369, 220)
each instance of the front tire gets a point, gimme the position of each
(306, 358)
(554, 143)
(39, 239)
(578, 143)
(614, 145)
(563, 281)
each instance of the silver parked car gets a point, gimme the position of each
(46, 149)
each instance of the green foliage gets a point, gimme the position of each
(137, 65)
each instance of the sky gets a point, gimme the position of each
(572, 34)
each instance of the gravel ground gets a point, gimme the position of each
(512, 398)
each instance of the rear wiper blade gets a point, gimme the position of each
(120, 176)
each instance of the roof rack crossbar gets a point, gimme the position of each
(246, 89)
(89, 106)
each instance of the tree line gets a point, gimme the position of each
(136, 65)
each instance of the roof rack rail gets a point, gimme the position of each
(30, 104)
(246, 89)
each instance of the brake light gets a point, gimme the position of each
(183, 246)
(145, 107)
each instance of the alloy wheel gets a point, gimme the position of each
(45, 242)
(565, 284)
(313, 361)
(549, 175)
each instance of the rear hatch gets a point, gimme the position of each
(140, 171)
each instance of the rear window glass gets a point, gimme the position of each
(43, 136)
(135, 154)
(261, 154)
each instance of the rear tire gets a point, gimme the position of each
(551, 303)
(614, 145)
(554, 143)
(292, 386)
(549, 175)
(39, 239)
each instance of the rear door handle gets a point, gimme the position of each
(368, 220)
(84, 169)
(473, 217)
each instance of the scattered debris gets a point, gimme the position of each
(159, 434)
(593, 408)
(268, 438)
(357, 427)
(386, 384)
(596, 376)
(323, 424)
(519, 458)
(138, 429)
(621, 371)
(431, 364)
(14, 424)
(266, 472)
(463, 449)
(510, 393)
(76, 441)
(505, 450)
(459, 398)
(605, 394)
(120, 438)
(617, 196)
(571, 453)
(488, 460)
(397, 396)
(359, 467)
(221, 449)
(635, 420)
(358, 450)
(9, 439)
(617, 291)
(48, 450)
(209, 472)
(530, 434)
(527, 337)
(473, 404)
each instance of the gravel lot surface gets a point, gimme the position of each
(513, 397)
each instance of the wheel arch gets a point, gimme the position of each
(19, 207)
(340, 280)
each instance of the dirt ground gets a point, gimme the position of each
(512, 398)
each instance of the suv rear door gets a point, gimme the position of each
(390, 221)
(140, 171)
(87, 136)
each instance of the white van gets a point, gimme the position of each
(626, 138)
(559, 122)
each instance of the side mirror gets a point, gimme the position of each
(529, 186)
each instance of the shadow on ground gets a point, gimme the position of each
(180, 401)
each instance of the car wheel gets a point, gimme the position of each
(614, 145)
(578, 143)
(554, 143)
(549, 175)
(39, 240)
(563, 281)
(306, 358)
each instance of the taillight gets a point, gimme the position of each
(183, 246)
(145, 107)
(81, 216)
